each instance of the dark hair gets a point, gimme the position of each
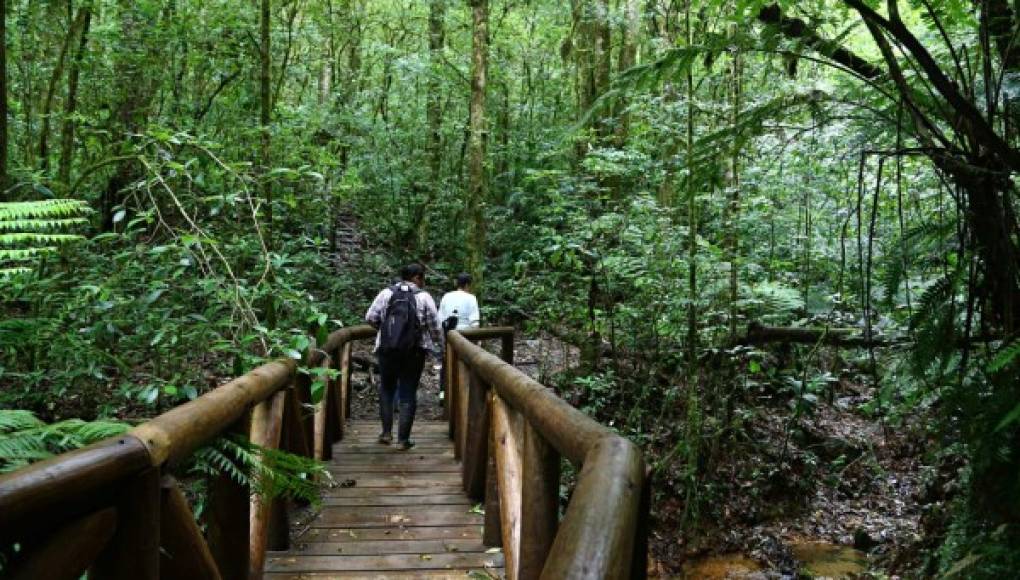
(411, 270)
(463, 280)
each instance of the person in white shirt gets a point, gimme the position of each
(460, 303)
(458, 310)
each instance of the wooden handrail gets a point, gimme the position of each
(601, 528)
(123, 479)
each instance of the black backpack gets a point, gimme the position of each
(401, 329)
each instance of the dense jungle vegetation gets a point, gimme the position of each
(781, 236)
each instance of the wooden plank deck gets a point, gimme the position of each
(405, 516)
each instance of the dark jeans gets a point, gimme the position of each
(399, 375)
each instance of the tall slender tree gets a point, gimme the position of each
(265, 114)
(478, 184)
(3, 99)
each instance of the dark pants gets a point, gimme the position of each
(399, 375)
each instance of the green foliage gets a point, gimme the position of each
(29, 230)
(262, 470)
(25, 439)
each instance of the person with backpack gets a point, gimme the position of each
(408, 324)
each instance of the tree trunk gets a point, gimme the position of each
(265, 114)
(733, 210)
(630, 28)
(3, 101)
(478, 187)
(51, 89)
(692, 213)
(133, 102)
(71, 105)
(434, 114)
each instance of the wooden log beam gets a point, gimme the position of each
(540, 502)
(69, 551)
(596, 536)
(133, 551)
(62, 487)
(486, 332)
(184, 555)
(569, 430)
(340, 337)
(758, 334)
(173, 435)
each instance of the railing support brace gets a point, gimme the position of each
(476, 454)
(539, 502)
(133, 552)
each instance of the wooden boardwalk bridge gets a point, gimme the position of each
(479, 497)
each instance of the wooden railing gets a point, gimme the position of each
(509, 432)
(113, 509)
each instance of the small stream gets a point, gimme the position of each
(816, 560)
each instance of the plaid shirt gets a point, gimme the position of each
(432, 339)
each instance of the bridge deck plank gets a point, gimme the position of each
(395, 514)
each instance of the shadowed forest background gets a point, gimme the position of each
(774, 243)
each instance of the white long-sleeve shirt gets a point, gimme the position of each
(462, 304)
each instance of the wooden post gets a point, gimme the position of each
(345, 379)
(476, 451)
(343, 387)
(507, 353)
(639, 569)
(68, 552)
(227, 520)
(492, 535)
(183, 552)
(505, 449)
(462, 378)
(452, 364)
(332, 419)
(133, 552)
(293, 428)
(302, 385)
(267, 431)
(539, 502)
(447, 355)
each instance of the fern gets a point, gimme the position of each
(1005, 356)
(25, 439)
(264, 471)
(32, 229)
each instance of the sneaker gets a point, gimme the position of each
(386, 439)
(405, 445)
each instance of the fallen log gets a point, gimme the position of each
(758, 334)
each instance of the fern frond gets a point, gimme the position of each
(36, 238)
(1005, 356)
(25, 439)
(18, 420)
(43, 209)
(31, 229)
(935, 297)
(263, 471)
(37, 225)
